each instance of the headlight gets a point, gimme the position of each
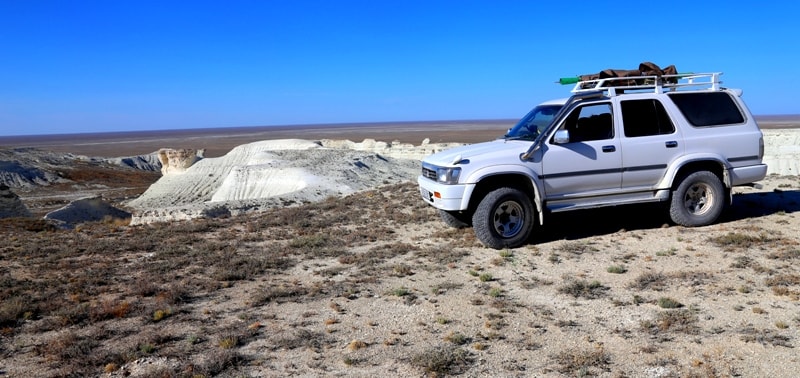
(448, 175)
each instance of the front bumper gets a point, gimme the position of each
(445, 197)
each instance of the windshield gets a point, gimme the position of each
(530, 126)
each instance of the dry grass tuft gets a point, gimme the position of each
(583, 289)
(740, 241)
(576, 248)
(682, 321)
(583, 362)
(443, 360)
(649, 281)
(765, 337)
(784, 284)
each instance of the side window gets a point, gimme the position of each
(644, 118)
(590, 122)
(708, 108)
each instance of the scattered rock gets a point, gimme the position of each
(91, 209)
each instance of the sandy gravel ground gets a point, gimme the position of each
(378, 286)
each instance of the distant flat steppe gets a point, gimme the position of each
(218, 141)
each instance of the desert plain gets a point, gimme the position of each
(370, 282)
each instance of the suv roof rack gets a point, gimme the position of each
(651, 83)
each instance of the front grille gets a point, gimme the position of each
(429, 173)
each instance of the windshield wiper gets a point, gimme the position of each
(528, 136)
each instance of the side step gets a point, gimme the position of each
(569, 204)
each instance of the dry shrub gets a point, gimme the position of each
(457, 237)
(279, 293)
(13, 310)
(683, 321)
(784, 284)
(765, 337)
(302, 338)
(583, 289)
(691, 278)
(70, 349)
(356, 345)
(72, 314)
(785, 254)
(109, 309)
(443, 360)
(217, 361)
(576, 248)
(442, 255)
(648, 280)
(583, 362)
(734, 240)
(457, 338)
(26, 224)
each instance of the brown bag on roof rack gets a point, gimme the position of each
(651, 69)
(645, 69)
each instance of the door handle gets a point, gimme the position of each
(609, 148)
(671, 144)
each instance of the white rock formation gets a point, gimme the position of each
(10, 204)
(178, 160)
(268, 173)
(394, 149)
(782, 151)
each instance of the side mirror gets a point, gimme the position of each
(561, 137)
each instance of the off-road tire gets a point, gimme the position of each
(504, 218)
(455, 219)
(698, 200)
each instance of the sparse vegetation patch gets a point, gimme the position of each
(363, 285)
(583, 289)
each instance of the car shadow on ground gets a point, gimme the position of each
(580, 224)
(753, 205)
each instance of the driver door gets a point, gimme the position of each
(589, 162)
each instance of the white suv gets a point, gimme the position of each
(677, 138)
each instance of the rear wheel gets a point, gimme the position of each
(698, 200)
(455, 219)
(504, 219)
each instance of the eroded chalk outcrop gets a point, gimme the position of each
(268, 173)
(178, 160)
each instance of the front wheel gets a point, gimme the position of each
(455, 219)
(698, 200)
(504, 219)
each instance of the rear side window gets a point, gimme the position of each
(708, 109)
(645, 117)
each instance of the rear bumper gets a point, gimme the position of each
(748, 174)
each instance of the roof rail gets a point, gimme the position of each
(654, 83)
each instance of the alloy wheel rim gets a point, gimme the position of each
(507, 219)
(698, 199)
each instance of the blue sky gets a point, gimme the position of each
(95, 66)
